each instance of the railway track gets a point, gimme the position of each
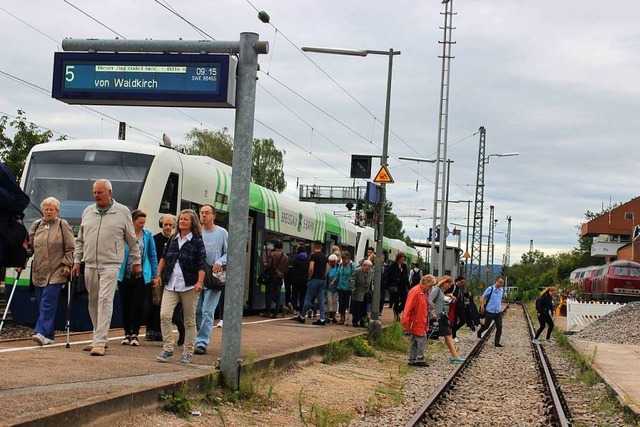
(513, 385)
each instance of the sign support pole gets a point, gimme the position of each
(238, 224)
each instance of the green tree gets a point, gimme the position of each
(393, 228)
(268, 164)
(14, 151)
(217, 144)
(268, 160)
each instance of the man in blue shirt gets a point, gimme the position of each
(491, 305)
(215, 244)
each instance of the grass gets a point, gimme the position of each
(392, 339)
(587, 375)
(337, 351)
(178, 401)
(319, 416)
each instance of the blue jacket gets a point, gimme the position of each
(149, 259)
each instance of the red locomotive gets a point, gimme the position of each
(617, 281)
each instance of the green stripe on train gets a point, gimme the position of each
(21, 282)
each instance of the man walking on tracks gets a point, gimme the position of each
(106, 226)
(491, 305)
(215, 245)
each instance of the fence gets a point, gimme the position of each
(580, 314)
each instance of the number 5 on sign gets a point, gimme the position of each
(69, 75)
(383, 176)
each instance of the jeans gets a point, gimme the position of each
(272, 296)
(207, 303)
(47, 298)
(315, 289)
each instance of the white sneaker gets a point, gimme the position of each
(219, 325)
(550, 341)
(47, 341)
(38, 338)
(456, 340)
(535, 341)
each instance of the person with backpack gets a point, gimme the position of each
(13, 202)
(544, 307)
(437, 312)
(53, 244)
(398, 282)
(415, 275)
(491, 306)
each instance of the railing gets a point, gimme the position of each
(580, 314)
(322, 193)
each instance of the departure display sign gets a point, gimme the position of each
(171, 80)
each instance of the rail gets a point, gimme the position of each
(446, 384)
(559, 413)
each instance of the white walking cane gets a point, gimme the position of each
(6, 310)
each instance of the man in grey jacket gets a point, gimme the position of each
(104, 230)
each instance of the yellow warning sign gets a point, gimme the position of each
(466, 255)
(383, 176)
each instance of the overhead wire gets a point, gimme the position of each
(94, 19)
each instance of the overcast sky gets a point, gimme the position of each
(555, 81)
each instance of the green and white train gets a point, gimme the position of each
(160, 180)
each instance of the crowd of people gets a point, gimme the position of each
(166, 272)
(113, 249)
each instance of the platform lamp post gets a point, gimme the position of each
(376, 328)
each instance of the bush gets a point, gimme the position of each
(336, 351)
(361, 347)
(392, 338)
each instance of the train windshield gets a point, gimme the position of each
(627, 271)
(69, 175)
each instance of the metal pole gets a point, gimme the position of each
(238, 225)
(376, 328)
(442, 268)
(466, 251)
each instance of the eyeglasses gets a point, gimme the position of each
(206, 213)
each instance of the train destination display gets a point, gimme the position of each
(145, 79)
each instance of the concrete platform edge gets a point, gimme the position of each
(114, 408)
(630, 404)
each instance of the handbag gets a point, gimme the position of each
(214, 281)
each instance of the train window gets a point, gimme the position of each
(271, 213)
(222, 198)
(169, 202)
(620, 271)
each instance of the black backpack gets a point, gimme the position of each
(415, 278)
(13, 236)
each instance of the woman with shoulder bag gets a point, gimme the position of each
(181, 273)
(344, 287)
(437, 306)
(53, 244)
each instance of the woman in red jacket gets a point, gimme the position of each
(415, 321)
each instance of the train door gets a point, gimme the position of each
(248, 278)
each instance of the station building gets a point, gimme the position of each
(612, 233)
